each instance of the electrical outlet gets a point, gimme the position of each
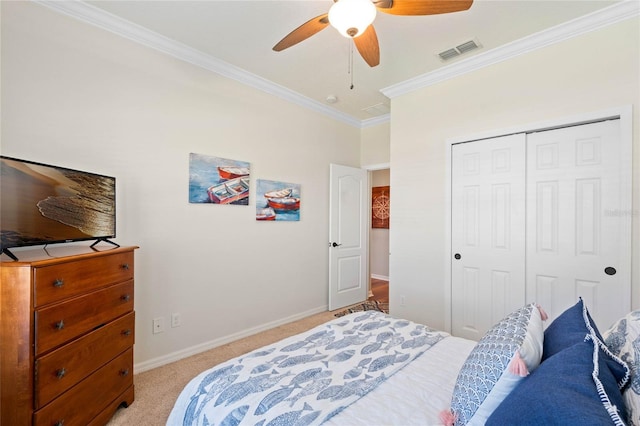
(176, 320)
(402, 300)
(158, 325)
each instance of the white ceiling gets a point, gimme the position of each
(242, 33)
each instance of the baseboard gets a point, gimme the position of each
(379, 277)
(194, 350)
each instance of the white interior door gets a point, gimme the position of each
(488, 233)
(348, 236)
(576, 227)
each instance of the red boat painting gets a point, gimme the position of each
(229, 191)
(214, 180)
(281, 201)
(232, 172)
(284, 203)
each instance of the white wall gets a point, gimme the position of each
(375, 145)
(76, 96)
(591, 72)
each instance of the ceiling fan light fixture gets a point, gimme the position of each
(352, 17)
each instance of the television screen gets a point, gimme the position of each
(42, 204)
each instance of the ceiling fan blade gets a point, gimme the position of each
(421, 7)
(367, 45)
(303, 32)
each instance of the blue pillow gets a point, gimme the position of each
(568, 329)
(561, 391)
(579, 382)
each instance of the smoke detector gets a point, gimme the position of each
(331, 99)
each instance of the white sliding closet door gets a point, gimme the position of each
(542, 217)
(488, 232)
(575, 226)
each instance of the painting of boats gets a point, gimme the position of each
(284, 203)
(229, 191)
(279, 201)
(266, 214)
(215, 180)
(232, 172)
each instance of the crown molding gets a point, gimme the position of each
(599, 19)
(369, 122)
(97, 17)
(136, 33)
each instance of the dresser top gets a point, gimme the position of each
(55, 253)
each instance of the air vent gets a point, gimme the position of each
(465, 47)
(377, 109)
(448, 54)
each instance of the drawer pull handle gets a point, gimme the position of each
(125, 297)
(61, 373)
(125, 266)
(126, 332)
(58, 283)
(124, 373)
(59, 325)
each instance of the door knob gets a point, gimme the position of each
(457, 256)
(334, 244)
(609, 270)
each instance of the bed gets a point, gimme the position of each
(370, 368)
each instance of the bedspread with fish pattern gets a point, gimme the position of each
(304, 379)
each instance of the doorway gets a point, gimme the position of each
(379, 243)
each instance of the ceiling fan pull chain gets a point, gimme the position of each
(351, 62)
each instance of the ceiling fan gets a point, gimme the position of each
(353, 19)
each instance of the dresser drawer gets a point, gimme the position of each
(61, 369)
(59, 323)
(88, 398)
(57, 282)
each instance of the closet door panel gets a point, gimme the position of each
(573, 181)
(488, 228)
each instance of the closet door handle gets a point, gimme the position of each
(610, 270)
(457, 256)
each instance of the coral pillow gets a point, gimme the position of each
(623, 339)
(499, 361)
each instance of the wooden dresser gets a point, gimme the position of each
(67, 330)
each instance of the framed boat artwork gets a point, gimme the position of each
(218, 180)
(277, 201)
(380, 204)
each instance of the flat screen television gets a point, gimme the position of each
(45, 204)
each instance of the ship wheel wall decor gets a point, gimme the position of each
(380, 207)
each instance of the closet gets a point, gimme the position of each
(540, 217)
